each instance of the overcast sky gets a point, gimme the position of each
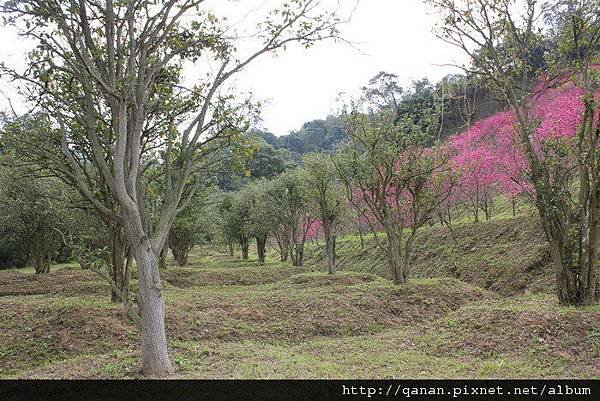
(393, 35)
(301, 85)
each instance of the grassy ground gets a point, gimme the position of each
(508, 255)
(229, 318)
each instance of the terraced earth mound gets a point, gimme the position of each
(238, 320)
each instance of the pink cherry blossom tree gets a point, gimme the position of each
(551, 151)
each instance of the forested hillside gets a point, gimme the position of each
(463, 100)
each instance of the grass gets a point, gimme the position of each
(229, 318)
(508, 255)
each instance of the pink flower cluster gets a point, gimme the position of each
(312, 228)
(560, 113)
(489, 155)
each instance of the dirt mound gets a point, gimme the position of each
(33, 334)
(97, 288)
(112, 365)
(184, 278)
(508, 331)
(558, 334)
(278, 313)
(342, 278)
(64, 281)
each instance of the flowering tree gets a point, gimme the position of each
(394, 181)
(551, 150)
(477, 183)
(489, 154)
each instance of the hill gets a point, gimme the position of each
(508, 256)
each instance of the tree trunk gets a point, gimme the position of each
(487, 209)
(284, 255)
(362, 240)
(261, 248)
(394, 255)
(41, 262)
(118, 262)
(566, 288)
(128, 261)
(155, 357)
(164, 252)
(284, 251)
(329, 246)
(298, 255)
(590, 244)
(181, 254)
(245, 245)
(408, 247)
(589, 208)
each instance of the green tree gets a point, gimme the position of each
(238, 220)
(225, 203)
(192, 227)
(33, 140)
(33, 213)
(422, 104)
(262, 218)
(316, 136)
(99, 72)
(288, 201)
(325, 194)
(251, 216)
(268, 162)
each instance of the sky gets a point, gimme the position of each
(300, 85)
(391, 35)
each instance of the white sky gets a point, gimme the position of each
(393, 35)
(301, 85)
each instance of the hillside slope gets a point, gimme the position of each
(508, 256)
(233, 318)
